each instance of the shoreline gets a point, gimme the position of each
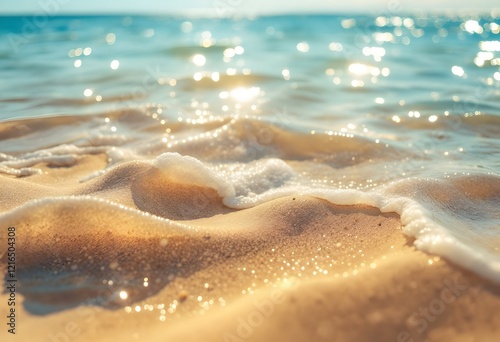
(357, 299)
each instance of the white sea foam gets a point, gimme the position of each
(322, 123)
(193, 171)
(244, 186)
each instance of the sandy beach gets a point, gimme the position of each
(301, 175)
(295, 268)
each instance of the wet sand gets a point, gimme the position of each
(130, 256)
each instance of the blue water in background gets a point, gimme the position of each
(406, 104)
(38, 77)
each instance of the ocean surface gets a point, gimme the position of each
(398, 112)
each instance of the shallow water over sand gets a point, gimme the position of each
(200, 134)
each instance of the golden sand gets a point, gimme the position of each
(92, 266)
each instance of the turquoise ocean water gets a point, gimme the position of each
(398, 112)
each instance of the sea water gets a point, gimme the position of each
(397, 112)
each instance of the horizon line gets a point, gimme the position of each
(198, 14)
